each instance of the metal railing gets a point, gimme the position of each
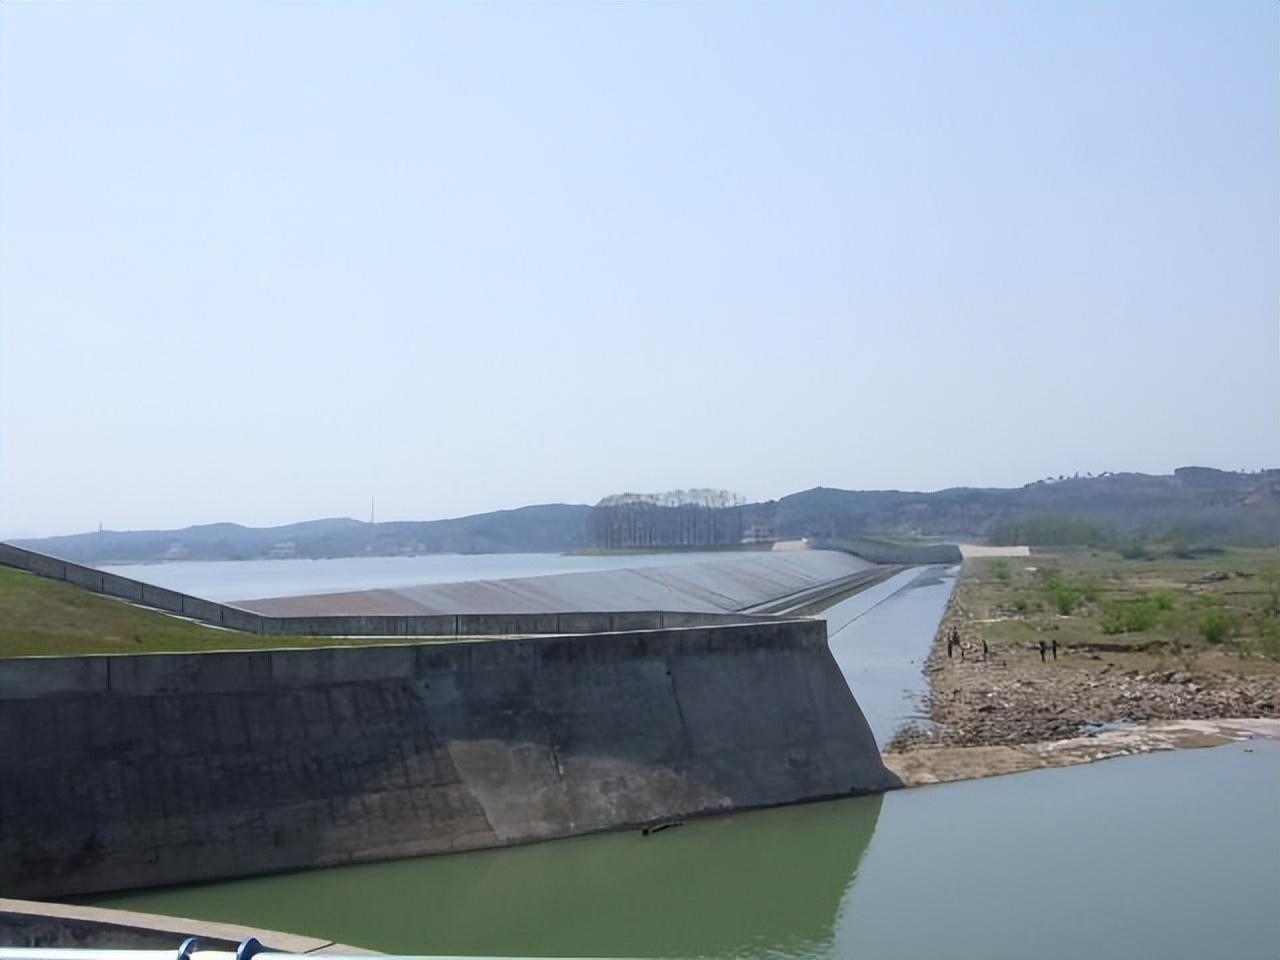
(94, 953)
(191, 949)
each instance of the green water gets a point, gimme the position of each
(1170, 855)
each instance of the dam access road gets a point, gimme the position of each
(144, 770)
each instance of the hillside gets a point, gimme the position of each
(549, 528)
(1196, 504)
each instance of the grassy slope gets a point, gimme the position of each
(40, 617)
(1013, 601)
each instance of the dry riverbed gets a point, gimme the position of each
(1108, 692)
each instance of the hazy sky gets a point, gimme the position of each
(263, 262)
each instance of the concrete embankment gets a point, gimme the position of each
(726, 584)
(681, 596)
(130, 771)
(885, 551)
(684, 594)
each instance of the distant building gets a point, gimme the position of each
(283, 551)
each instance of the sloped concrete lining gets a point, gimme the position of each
(712, 590)
(726, 584)
(131, 771)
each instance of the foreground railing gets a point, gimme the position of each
(248, 950)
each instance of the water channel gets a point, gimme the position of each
(1172, 855)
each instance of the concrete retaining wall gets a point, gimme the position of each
(130, 771)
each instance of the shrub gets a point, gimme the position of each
(1216, 624)
(1136, 550)
(1270, 638)
(1000, 570)
(1063, 595)
(1163, 599)
(1064, 598)
(1049, 531)
(1129, 616)
(1271, 578)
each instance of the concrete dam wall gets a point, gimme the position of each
(128, 771)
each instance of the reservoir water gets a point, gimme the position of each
(1175, 855)
(1168, 855)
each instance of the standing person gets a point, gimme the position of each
(1055, 648)
(984, 648)
(1042, 651)
(950, 645)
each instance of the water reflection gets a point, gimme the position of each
(881, 638)
(767, 882)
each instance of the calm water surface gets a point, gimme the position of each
(1169, 855)
(881, 637)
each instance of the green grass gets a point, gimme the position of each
(40, 617)
(1228, 601)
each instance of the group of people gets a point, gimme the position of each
(954, 643)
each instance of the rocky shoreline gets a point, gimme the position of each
(1013, 698)
(989, 692)
(941, 764)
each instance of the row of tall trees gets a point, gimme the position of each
(678, 518)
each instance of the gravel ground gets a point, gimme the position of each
(1013, 698)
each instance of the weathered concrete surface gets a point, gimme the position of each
(30, 923)
(726, 584)
(130, 771)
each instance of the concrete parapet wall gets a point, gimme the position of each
(128, 771)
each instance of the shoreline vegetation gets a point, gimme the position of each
(1144, 639)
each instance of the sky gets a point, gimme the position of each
(269, 262)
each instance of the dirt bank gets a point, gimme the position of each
(941, 764)
(999, 692)
(1012, 697)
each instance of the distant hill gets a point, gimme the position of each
(1197, 504)
(548, 528)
